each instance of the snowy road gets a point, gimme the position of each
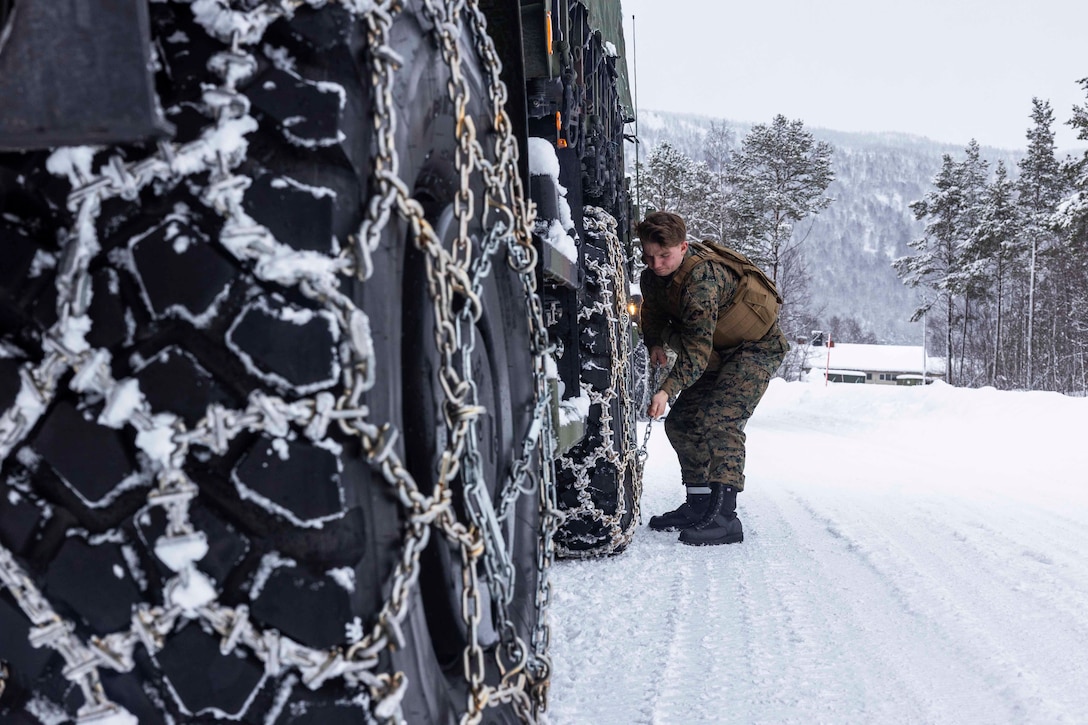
(911, 556)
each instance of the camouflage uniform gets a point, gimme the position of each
(715, 391)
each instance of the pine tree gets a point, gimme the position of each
(665, 179)
(1071, 222)
(776, 179)
(1072, 214)
(970, 279)
(947, 260)
(703, 203)
(997, 237)
(717, 152)
(672, 181)
(1040, 187)
(935, 249)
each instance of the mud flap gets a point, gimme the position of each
(74, 74)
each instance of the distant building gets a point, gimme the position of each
(878, 364)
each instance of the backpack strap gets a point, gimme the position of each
(697, 254)
(750, 312)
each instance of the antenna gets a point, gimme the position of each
(638, 143)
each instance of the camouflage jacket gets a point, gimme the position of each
(689, 331)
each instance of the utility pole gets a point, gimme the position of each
(827, 365)
(924, 361)
(925, 311)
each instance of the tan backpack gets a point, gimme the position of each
(754, 307)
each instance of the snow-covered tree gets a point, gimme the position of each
(717, 151)
(1071, 224)
(971, 280)
(778, 177)
(1072, 213)
(665, 178)
(673, 181)
(1041, 187)
(848, 329)
(997, 239)
(947, 262)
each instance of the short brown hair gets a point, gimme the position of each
(663, 228)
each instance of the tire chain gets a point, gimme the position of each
(189, 593)
(653, 383)
(611, 280)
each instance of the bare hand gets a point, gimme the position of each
(658, 358)
(657, 405)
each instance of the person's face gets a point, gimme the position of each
(663, 261)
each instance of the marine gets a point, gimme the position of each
(723, 327)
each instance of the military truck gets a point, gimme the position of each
(313, 353)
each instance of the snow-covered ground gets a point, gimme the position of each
(911, 555)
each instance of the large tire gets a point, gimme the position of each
(205, 512)
(599, 481)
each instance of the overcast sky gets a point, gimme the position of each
(951, 70)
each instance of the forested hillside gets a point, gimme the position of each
(849, 246)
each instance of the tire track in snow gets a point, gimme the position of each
(1036, 553)
(802, 640)
(602, 617)
(767, 650)
(697, 666)
(995, 595)
(1015, 540)
(963, 634)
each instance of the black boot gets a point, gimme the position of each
(689, 513)
(719, 524)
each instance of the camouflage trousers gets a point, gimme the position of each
(706, 423)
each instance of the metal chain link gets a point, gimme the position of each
(50, 630)
(317, 279)
(655, 380)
